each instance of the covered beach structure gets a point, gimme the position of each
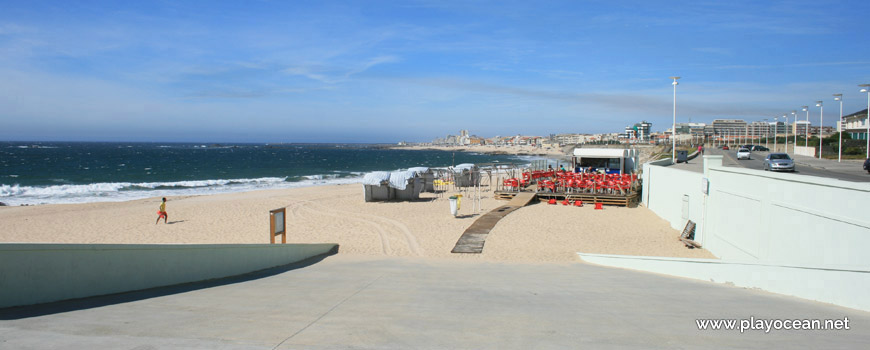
(610, 160)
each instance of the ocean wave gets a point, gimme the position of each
(124, 191)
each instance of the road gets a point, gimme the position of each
(757, 158)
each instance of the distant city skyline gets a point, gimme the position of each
(382, 72)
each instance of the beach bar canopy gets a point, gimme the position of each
(611, 160)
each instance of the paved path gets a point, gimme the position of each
(474, 237)
(361, 303)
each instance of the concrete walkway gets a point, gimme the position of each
(365, 303)
(474, 237)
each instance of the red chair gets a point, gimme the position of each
(547, 184)
(511, 184)
(578, 203)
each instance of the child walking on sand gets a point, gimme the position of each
(162, 212)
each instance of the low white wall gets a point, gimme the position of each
(675, 195)
(842, 286)
(816, 228)
(786, 218)
(40, 273)
(805, 151)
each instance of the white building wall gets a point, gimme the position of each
(813, 230)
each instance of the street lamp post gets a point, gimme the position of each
(674, 130)
(839, 97)
(794, 149)
(785, 142)
(821, 123)
(766, 132)
(807, 127)
(866, 88)
(775, 130)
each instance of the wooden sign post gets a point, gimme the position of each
(277, 225)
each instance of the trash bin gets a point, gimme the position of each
(682, 156)
(454, 207)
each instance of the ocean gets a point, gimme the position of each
(81, 172)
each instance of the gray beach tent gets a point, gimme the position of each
(376, 186)
(466, 175)
(427, 176)
(406, 185)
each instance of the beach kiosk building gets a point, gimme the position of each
(611, 160)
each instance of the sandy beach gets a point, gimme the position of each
(339, 214)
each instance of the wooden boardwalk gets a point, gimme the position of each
(474, 237)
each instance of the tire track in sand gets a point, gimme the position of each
(378, 221)
(382, 234)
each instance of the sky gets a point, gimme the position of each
(389, 71)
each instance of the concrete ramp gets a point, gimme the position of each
(474, 237)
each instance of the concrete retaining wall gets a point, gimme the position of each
(836, 286)
(805, 151)
(676, 195)
(771, 219)
(40, 273)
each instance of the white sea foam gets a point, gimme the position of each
(124, 191)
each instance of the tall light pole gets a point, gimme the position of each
(785, 142)
(775, 130)
(866, 88)
(674, 130)
(746, 133)
(839, 97)
(807, 127)
(766, 132)
(794, 113)
(752, 131)
(821, 123)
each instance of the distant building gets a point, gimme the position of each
(729, 126)
(800, 127)
(778, 127)
(855, 125)
(639, 131)
(574, 139)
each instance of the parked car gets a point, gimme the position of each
(749, 147)
(759, 148)
(743, 153)
(725, 147)
(778, 162)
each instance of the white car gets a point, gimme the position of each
(743, 153)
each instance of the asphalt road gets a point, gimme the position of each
(757, 159)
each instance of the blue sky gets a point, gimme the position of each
(385, 71)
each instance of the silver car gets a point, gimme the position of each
(743, 153)
(778, 162)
